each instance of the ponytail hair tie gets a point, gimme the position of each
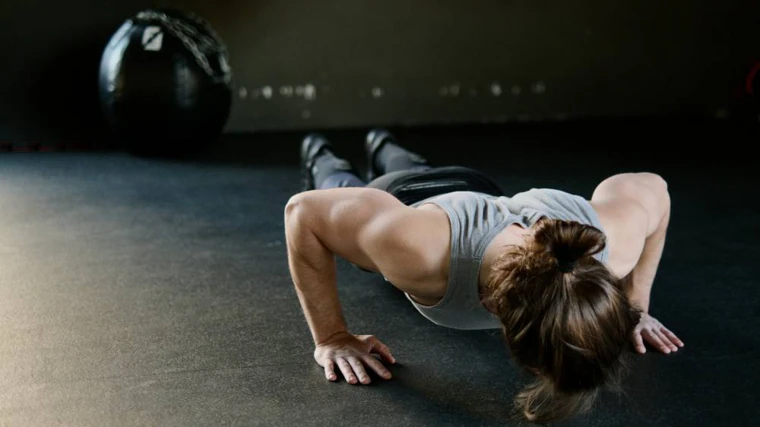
(566, 266)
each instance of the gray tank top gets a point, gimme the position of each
(477, 218)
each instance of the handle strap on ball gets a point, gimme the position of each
(198, 44)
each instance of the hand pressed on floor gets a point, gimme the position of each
(657, 335)
(352, 355)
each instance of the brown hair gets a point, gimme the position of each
(565, 318)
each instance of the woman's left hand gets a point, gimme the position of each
(658, 336)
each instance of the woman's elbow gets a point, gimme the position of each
(659, 187)
(293, 205)
(660, 195)
(295, 214)
(298, 203)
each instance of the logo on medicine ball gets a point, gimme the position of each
(152, 38)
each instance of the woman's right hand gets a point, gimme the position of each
(352, 354)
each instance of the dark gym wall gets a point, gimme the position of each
(49, 68)
(335, 63)
(432, 61)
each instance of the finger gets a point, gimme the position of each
(359, 370)
(330, 371)
(665, 340)
(638, 342)
(653, 339)
(672, 336)
(345, 368)
(376, 366)
(381, 349)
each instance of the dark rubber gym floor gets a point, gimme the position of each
(152, 292)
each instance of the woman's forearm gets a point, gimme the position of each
(646, 269)
(313, 270)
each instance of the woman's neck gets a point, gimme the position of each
(513, 235)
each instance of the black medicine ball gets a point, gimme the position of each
(165, 83)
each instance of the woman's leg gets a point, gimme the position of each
(330, 171)
(391, 157)
(411, 178)
(412, 187)
(405, 174)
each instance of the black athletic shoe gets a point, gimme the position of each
(312, 146)
(375, 140)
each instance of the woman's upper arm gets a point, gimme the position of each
(340, 217)
(630, 208)
(372, 229)
(645, 193)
